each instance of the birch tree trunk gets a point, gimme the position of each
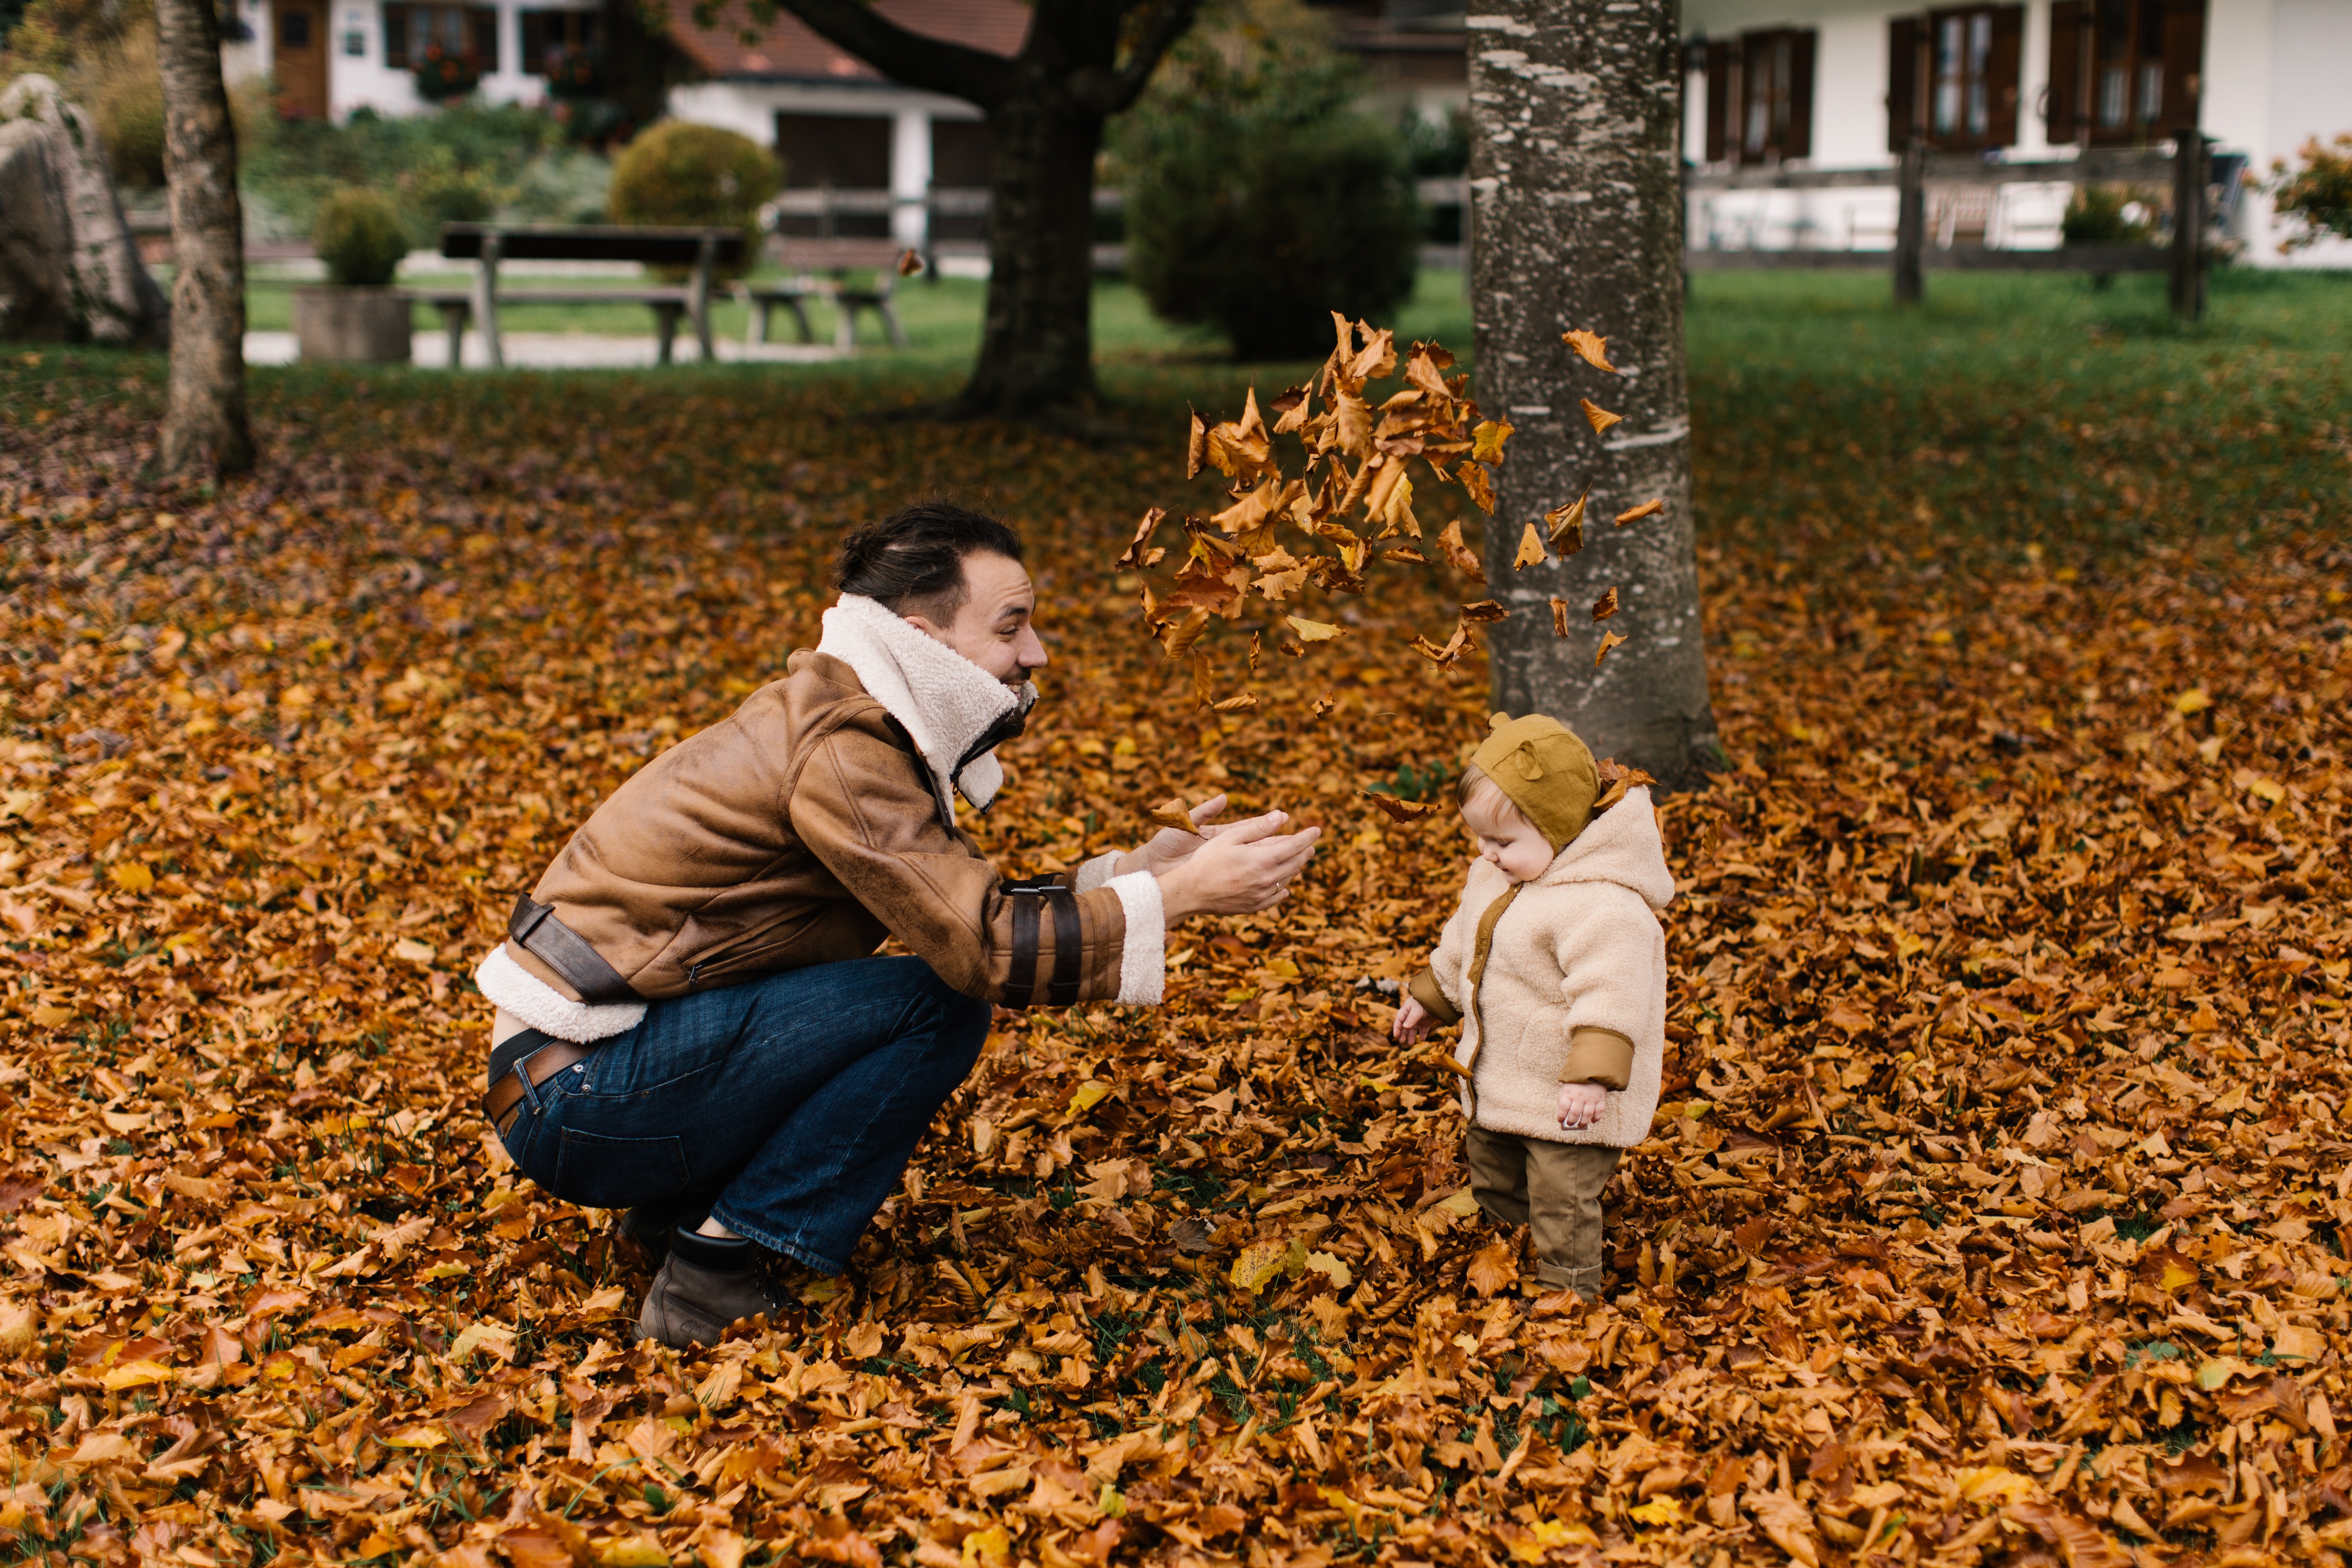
(203, 414)
(1575, 113)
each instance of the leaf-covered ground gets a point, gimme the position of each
(1994, 1214)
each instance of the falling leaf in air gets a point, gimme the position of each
(1599, 417)
(1615, 780)
(1449, 544)
(1196, 445)
(1486, 441)
(1606, 606)
(1635, 514)
(1397, 810)
(1591, 347)
(1607, 641)
(1152, 520)
(1559, 617)
(1531, 550)
(1313, 631)
(1567, 526)
(910, 262)
(1235, 704)
(1483, 612)
(1473, 479)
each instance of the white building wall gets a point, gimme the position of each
(363, 81)
(2277, 72)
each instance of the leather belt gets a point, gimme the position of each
(503, 1101)
(566, 951)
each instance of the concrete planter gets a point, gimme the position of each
(366, 326)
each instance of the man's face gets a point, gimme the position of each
(993, 629)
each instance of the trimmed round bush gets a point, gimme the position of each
(1259, 201)
(685, 175)
(357, 234)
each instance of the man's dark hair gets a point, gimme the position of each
(912, 561)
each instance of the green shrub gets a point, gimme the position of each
(2107, 215)
(1259, 201)
(2318, 197)
(465, 162)
(127, 99)
(357, 234)
(694, 176)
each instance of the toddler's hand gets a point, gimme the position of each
(1581, 1104)
(1412, 1021)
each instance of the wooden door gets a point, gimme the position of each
(298, 33)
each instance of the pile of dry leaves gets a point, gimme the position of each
(1996, 1210)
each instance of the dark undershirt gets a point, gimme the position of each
(513, 1049)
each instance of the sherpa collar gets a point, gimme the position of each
(947, 705)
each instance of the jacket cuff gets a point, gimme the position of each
(1423, 989)
(539, 1005)
(1143, 952)
(1597, 1056)
(1095, 873)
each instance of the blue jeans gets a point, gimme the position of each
(785, 1108)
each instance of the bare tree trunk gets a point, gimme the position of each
(1577, 204)
(204, 418)
(1083, 61)
(1036, 348)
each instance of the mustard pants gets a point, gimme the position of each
(1554, 1190)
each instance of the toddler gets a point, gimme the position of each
(1555, 965)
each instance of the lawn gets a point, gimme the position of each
(1994, 1210)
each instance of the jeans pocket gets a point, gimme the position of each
(600, 1172)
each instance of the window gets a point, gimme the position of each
(293, 29)
(1952, 78)
(1760, 97)
(410, 30)
(2125, 71)
(546, 33)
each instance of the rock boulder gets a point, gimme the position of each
(35, 242)
(110, 295)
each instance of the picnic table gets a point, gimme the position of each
(840, 257)
(489, 245)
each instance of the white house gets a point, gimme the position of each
(331, 57)
(836, 122)
(1842, 83)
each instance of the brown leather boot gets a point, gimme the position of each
(704, 1284)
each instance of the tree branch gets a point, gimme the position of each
(1165, 24)
(973, 75)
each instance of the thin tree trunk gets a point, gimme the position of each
(1037, 346)
(1575, 165)
(203, 419)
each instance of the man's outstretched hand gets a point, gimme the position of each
(1246, 868)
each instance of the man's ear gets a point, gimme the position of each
(923, 624)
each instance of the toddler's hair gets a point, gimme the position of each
(1472, 783)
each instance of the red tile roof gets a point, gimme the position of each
(790, 51)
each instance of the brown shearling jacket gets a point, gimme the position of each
(802, 830)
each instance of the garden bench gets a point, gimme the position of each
(840, 257)
(703, 249)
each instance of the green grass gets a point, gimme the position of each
(2013, 412)
(942, 318)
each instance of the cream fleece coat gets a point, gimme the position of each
(1581, 946)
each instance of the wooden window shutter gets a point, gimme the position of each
(2063, 106)
(1718, 101)
(1903, 80)
(2184, 65)
(1799, 142)
(482, 34)
(2002, 70)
